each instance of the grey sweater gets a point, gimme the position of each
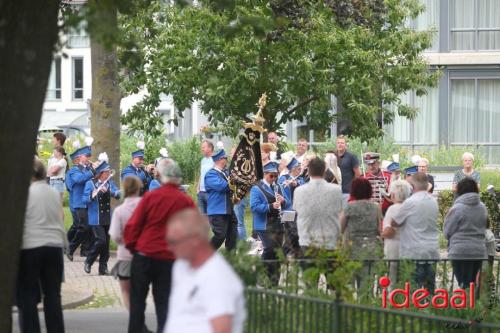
(464, 228)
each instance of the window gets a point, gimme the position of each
(78, 36)
(475, 115)
(429, 19)
(475, 25)
(77, 78)
(54, 85)
(424, 129)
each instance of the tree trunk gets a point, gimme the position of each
(105, 103)
(28, 33)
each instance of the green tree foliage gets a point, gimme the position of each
(299, 52)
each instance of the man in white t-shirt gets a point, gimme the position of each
(207, 295)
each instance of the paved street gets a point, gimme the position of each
(92, 303)
(112, 320)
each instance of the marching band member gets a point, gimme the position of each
(155, 182)
(97, 195)
(379, 180)
(219, 206)
(291, 180)
(395, 170)
(136, 168)
(266, 202)
(76, 178)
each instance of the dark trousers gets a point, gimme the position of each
(291, 246)
(100, 247)
(224, 228)
(425, 276)
(466, 271)
(40, 267)
(202, 202)
(82, 235)
(272, 242)
(146, 271)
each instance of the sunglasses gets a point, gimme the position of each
(273, 176)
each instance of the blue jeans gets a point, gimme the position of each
(239, 211)
(202, 202)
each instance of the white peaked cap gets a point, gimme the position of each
(89, 140)
(103, 157)
(164, 152)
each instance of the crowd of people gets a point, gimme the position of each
(303, 204)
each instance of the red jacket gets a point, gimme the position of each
(146, 230)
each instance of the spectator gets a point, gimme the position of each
(417, 218)
(265, 152)
(207, 295)
(302, 148)
(349, 167)
(464, 228)
(58, 139)
(332, 173)
(57, 167)
(423, 166)
(207, 149)
(144, 237)
(272, 137)
(361, 222)
(360, 225)
(399, 191)
(41, 257)
(131, 190)
(467, 171)
(305, 166)
(318, 205)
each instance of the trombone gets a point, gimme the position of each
(96, 191)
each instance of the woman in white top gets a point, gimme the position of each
(41, 258)
(399, 191)
(57, 170)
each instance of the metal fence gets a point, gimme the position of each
(273, 311)
(290, 273)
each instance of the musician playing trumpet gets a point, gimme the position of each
(97, 195)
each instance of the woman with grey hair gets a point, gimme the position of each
(399, 191)
(467, 171)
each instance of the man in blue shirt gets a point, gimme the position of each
(207, 163)
(219, 206)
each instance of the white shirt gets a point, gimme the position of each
(207, 163)
(318, 205)
(391, 245)
(419, 238)
(202, 294)
(62, 167)
(43, 224)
